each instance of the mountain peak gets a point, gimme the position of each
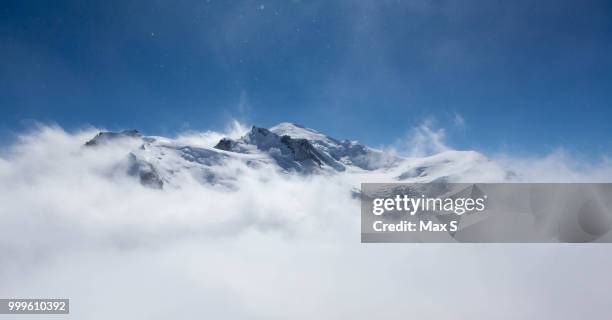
(299, 132)
(290, 124)
(106, 136)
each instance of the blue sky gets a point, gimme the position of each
(525, 76)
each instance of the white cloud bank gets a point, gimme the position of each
(282, 247)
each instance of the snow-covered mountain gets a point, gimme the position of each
(290, 149)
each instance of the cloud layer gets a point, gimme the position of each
(72, 225)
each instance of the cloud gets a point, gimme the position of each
(209, 138)
(557, 166)
(422, 140)
(282, 246)
(458, 120)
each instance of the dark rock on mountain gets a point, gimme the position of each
(225, 144)
(107, 136)
(146, 173)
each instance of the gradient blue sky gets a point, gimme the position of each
(526, 76)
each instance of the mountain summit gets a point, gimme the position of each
(290, 149)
